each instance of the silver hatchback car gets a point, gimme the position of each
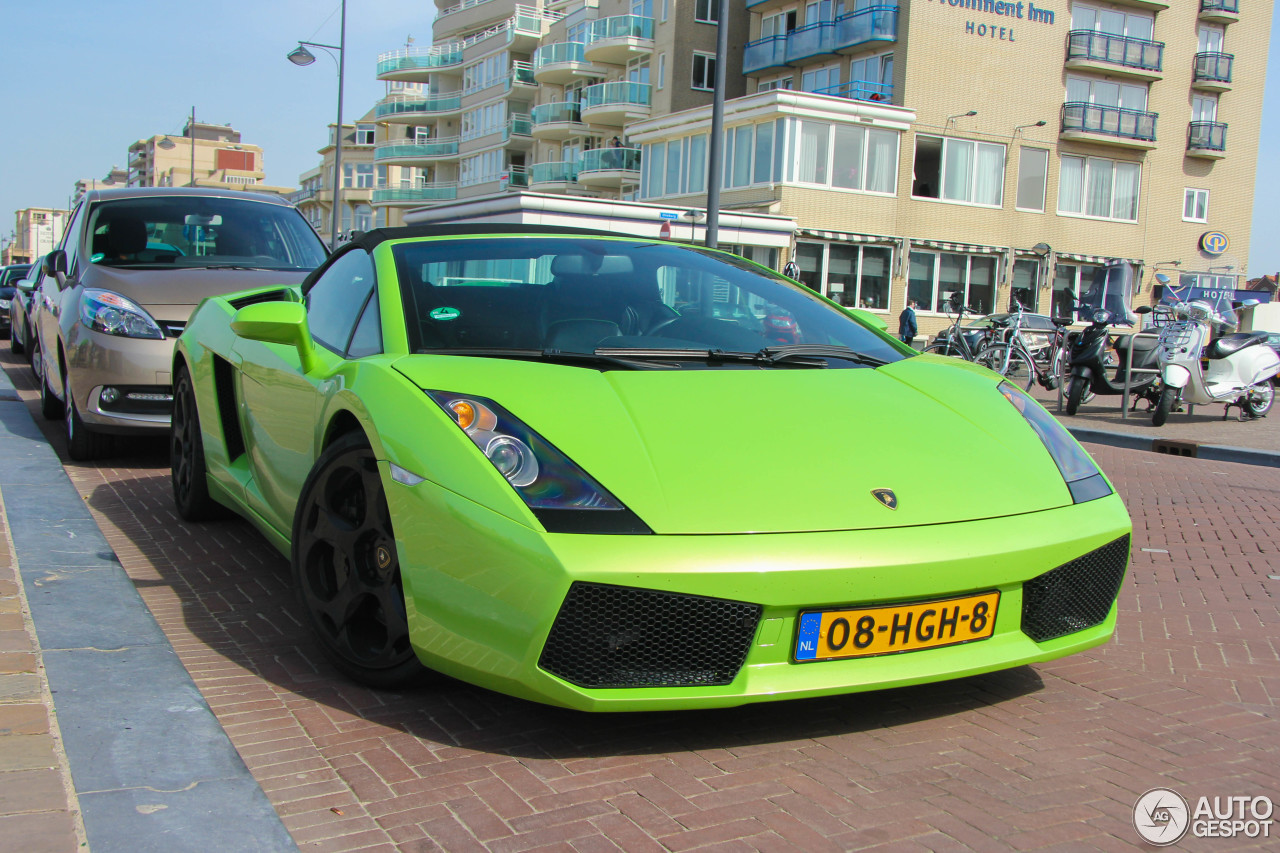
(132, 266)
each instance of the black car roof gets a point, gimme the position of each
(370, 239)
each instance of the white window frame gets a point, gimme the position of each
(1081, 11)
(1195, 199)
(937, 279)
(1023, 151)
(942, 171)
(709, 15)
(662, 70)
(828, 70)
(1095, 163)
(708, 70)
(786, 81)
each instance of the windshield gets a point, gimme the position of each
(9, 276)
(580, 294)
(202, 231)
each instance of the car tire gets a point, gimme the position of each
(1168, 396)
(187, 471)
(15, 342)
(83, 445)
(346, 570)
(50, 406)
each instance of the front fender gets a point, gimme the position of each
(1175, 376)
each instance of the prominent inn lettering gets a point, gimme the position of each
(1023, 11)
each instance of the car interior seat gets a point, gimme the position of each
(126, 236)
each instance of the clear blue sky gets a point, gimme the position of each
(86, 78)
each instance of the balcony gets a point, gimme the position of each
(811, 41)
(860, 90)
(416, 153)
(521, 79)
(563, 63)
(408, 196)
(1220, 11)
(1113, 125)
(468, 16)
(557, 121)
(609, 167)
(873, 24)
(1207, 139)
(527, 28)
(409, 110)
(299, 196)
(415, 65)
(615, 104)
(1212, 72)
(519, 131)
(558, 173)
(618, 39)
(1111, 54)
(764, 54)
(514, 178)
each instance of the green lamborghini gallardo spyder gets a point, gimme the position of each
(612, 473)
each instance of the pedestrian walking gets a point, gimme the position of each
(907, 323)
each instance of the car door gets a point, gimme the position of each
(49, 305)
(282, 402)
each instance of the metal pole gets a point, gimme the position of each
(337, 148)
(192, 127)
(715, 152)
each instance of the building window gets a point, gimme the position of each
(662, 70)
(1204, 108)
(1195, 205)
(1025, 292)
(1105, 93)
(1066, 287)
(959, 170)
(365, 134)
(785, 82)
(777, 25)
(820, 79)
(364, 176)
(1099, 188)
(1033, 173)
(934, 276)
(706, 11)
(666, 5)
(1111, 21)
(348, 175)
(364, 217)
(704, 71)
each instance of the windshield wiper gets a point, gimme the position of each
(797, 355)
(554, 355)
(792, 351)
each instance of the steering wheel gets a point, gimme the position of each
(663, 324)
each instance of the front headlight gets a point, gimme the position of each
(4, 304)
(1102, 318)
(1079, 470)
(562, 496)
(113, 314)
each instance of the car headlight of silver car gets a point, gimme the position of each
(113, 314)
(1079, 470)
(565, 498)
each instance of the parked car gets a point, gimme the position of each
(22, 308)
(132, 266)
(9, 278)
(569, 466)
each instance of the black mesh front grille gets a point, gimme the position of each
(1076, 595)
(618, 636)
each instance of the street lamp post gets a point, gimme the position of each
(301, 56)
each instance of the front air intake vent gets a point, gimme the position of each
(1076, 595)
(617, 636)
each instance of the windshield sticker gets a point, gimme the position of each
(445, 313)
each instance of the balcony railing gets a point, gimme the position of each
(765, 53)
(1206, 136)
(620, 26)
(618, 92)
(420, 59)
(560, 111)
(301, 195)
(552, 172)
(874, 23)
(465, 4)
(860, 90)
(424, 192)
(610, 160)
(1232, 6)
(1109, 121)
(565, 51)
(410, 106)
(521, 73)
(811, 40)
(1115, 50)
(519, 124)
(1213, 67)
(516, 177)
(443, 146)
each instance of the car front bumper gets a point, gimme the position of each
(96, 362)
(483, 593)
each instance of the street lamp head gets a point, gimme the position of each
(301, 56)
(167, 144)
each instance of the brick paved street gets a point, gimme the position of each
(1045, 757)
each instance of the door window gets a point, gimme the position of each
(333, 300)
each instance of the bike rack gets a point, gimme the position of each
(1129, 370)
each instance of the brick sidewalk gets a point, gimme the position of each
(1045, 757)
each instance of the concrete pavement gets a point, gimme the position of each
(1046, 757)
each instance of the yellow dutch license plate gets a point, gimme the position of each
(889, 629)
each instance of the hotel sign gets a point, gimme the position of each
(1000, 31)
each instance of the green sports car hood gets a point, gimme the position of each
(780, 450)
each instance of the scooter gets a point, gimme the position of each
(1240, 365)
(1095, 367)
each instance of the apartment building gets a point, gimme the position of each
(915, 149)
(359, 177)
(36, 232)
(205, 155)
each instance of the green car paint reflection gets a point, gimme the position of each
(571, 467)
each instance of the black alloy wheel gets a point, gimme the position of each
(187, 470)
(50, 405)
(346, 570)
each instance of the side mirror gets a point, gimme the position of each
(55, 263)
(26, 285)
(278, 323)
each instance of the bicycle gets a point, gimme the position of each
(953, 342)
(1014, 359)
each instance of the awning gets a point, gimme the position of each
(848, 236)
(966, 248)
(1097, 259)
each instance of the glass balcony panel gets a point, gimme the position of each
(1109, 121)
(420, 59)
(519, 125)
(811, 40)
(549, 54)
(620, 26)
(1214, 67)
(442, 147)
(875, 23)
(765, 53)
(1207, 136)
(425, 192)
(545, 173)
(860, 90)
(1115, 50)
(408, 106)
(610, 160)
(618, 92)
(556, 112)
(1232, 6)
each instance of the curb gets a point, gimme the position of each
(151, 765)
(1178, 447)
